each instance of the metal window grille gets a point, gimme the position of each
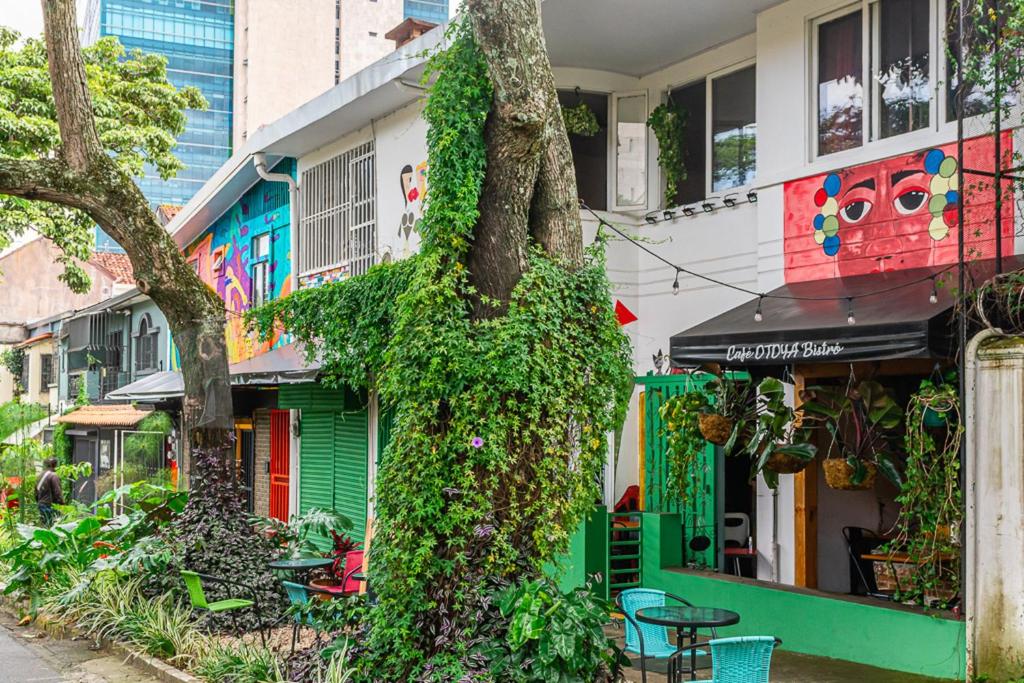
(339, 218)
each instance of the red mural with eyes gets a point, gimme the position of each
(894, 214)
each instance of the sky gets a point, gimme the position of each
(26, 16)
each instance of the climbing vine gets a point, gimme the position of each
(931, 502)
(668, 121)
(683, 441)
(500, 424)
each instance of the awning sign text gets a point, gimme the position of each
(783, 352)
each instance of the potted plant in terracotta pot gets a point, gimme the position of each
(862, 421)
(777, 445)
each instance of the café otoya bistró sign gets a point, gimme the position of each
(786, 352)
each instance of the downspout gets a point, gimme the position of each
(970, 535)
(259, 159)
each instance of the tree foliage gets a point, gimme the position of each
(500, 422)
(138, 115)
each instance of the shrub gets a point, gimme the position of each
(227, 663)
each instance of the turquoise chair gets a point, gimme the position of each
(649, 641)
(745, 659)
(298, 595)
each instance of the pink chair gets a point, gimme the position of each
(353, 565)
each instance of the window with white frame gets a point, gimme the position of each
(146, 339)
(631, 151)
(338, 228)
(733, 129)
(260, 257)
(892, 42)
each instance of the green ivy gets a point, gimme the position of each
(580, 120)
(500, 424)
(684, 443)
(668, 121)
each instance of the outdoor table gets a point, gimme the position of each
(683, 619)
(737, 553)
(300, 568)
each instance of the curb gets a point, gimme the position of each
(146, 663)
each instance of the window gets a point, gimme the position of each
(261, 287)
(693, 100)
(901, 79)
(146, 351)
(840, 84)
(26, 364)
(590, 152)
(631, 151)
(895, 47)
(46, 370)
(339, 218)
(733, 130)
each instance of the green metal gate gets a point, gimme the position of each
(700, 516)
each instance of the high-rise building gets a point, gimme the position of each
(434, 11)
(197, 38)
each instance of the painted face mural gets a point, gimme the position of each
(890, 215)
(414, 190)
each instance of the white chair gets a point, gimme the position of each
(737, 530)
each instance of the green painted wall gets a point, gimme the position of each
(807, 622)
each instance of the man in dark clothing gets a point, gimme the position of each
(48, 491)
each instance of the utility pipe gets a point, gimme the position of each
(969, 534)
(259, 159)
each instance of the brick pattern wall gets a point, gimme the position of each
(261, 485)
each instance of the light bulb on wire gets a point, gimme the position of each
(758, 315)
(675, 285)
(933, 298)
(850, 318)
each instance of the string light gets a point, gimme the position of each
(850, 318)
(758, 316)
(675, 284)
(933, 298)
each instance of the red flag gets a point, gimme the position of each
(624, 315)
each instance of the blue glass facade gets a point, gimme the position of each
(197, 37)
(434, 11)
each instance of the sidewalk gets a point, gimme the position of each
(28, 655)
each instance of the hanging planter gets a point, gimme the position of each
(781, 462)
(773, 448)
(668, 122)
(716, 428)
(841, 476)
(580, 120)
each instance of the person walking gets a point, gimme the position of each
(49, 492)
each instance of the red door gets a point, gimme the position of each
(280, 440)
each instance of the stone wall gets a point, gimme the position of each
(261, 485)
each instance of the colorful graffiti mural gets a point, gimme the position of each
(223, 257)
(892, 214)
(414, 192)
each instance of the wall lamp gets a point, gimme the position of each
(707, 206)
(752, 197)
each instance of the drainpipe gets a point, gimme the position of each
(260, 161)
(970, 536)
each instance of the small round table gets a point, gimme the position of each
(300, 568)
(687, 619)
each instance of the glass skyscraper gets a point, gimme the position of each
(434, 11)
(197, 38)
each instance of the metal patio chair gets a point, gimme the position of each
(745, 659)
(197, 597)
(648, 640)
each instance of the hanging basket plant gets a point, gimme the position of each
(778, 445)
(580, 120)
(680, 416)
(668, 122)
(842, 475)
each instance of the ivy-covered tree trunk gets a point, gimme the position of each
(83, 176)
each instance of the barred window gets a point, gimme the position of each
(338, 228)
(45, 370)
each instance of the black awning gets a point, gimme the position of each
(900, 323)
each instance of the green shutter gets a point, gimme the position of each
(316, 462)
(351, 451)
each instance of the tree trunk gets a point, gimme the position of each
(530, 186)
(84, 177)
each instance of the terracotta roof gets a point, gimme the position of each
(33, 340)
(105, 416)
(165, 213)
(119, 265)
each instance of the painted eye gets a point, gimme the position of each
(910, 201)
(855, 211)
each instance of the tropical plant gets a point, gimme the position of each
(732, 410)
(668, 122)
(553, 636)
(862, 421)
(777, 445)
(684, 443)
(931, 501)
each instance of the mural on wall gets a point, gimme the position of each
(892, 214)
(222, 257)
(414, 191)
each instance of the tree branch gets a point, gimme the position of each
(47, 180)
(79, 142)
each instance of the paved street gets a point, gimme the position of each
(30, 656)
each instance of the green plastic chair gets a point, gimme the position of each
(197, 596)
(746, 659)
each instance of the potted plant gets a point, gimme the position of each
(862, 421)
(684, 442)
(776, 446)
(580, 120)
(730, 412)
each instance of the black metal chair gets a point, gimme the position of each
(861, 541)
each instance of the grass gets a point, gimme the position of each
(14, 416)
